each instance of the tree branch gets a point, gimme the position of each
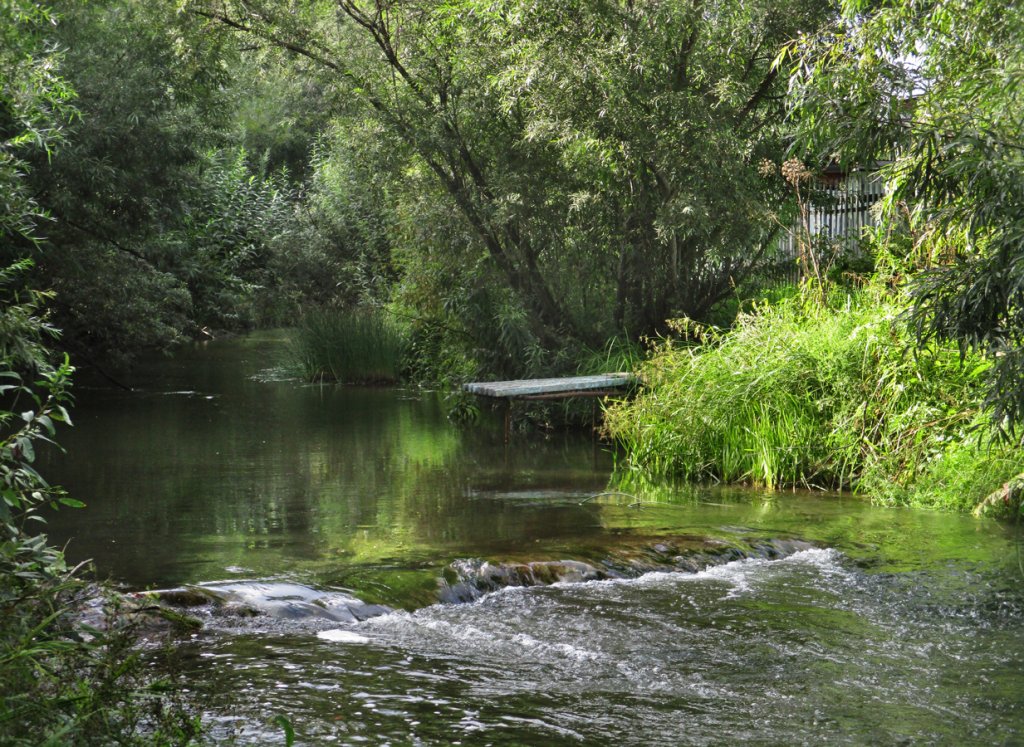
(758, 95)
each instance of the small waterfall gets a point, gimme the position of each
(469, 579)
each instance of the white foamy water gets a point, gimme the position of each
(600, 624)
(338, 635)
(751, 650)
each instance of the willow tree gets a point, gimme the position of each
(600, 159)
(35, 108)
(661, 112)
(936, 90)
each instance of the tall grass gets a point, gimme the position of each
(618, 354)
(828, 396)
(351, 346)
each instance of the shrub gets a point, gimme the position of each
(61, 680)
(815, 395)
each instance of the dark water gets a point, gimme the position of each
(861, 625)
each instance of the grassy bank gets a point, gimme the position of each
(350, 346)
(819, 395)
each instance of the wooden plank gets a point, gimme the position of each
(592, 393)
(566, 386)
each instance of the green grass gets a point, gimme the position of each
(618, 354)
(800, 394)
(351, 346)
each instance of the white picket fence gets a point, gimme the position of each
(838, 211)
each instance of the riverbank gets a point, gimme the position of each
(821, 395)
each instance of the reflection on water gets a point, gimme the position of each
(206, 468)
(878, 625)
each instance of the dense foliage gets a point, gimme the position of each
(35, 104)
(820, 396)
(65, 678)
(162, 224)
(518, 185)
(457, 188)
(910, 392)
(933, 90)
(145, 97)
(558, 174)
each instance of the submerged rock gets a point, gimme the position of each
(469, 579)
(274, 599)
(184, 597)
(105, 610)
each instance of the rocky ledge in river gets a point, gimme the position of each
(228, 603)
(280, 600)
(468, 579)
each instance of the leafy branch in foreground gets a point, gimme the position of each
(62, 680)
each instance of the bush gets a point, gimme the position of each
(61, 681)
(826, 396)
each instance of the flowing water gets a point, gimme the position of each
(379, 576)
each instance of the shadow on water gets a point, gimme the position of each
(316, 529)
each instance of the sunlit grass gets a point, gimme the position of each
(819, 396)
(618, 354)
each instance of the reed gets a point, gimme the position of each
(618, 354)
(351, 346)
(818, 395)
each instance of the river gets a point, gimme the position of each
(512, 595)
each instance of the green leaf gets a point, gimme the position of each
(71, 502)
(980, 369)
(289, 730)
(27, 450)
(47, 423)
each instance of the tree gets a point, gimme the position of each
(35, 107)
(935, 89)
(148, 98)
(591, 165)
(60, 681)
(279, 111)
(159, 229)
(662, 111)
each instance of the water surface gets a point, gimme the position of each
(862, 625)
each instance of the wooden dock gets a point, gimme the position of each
(571, 386)
(602, 385)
